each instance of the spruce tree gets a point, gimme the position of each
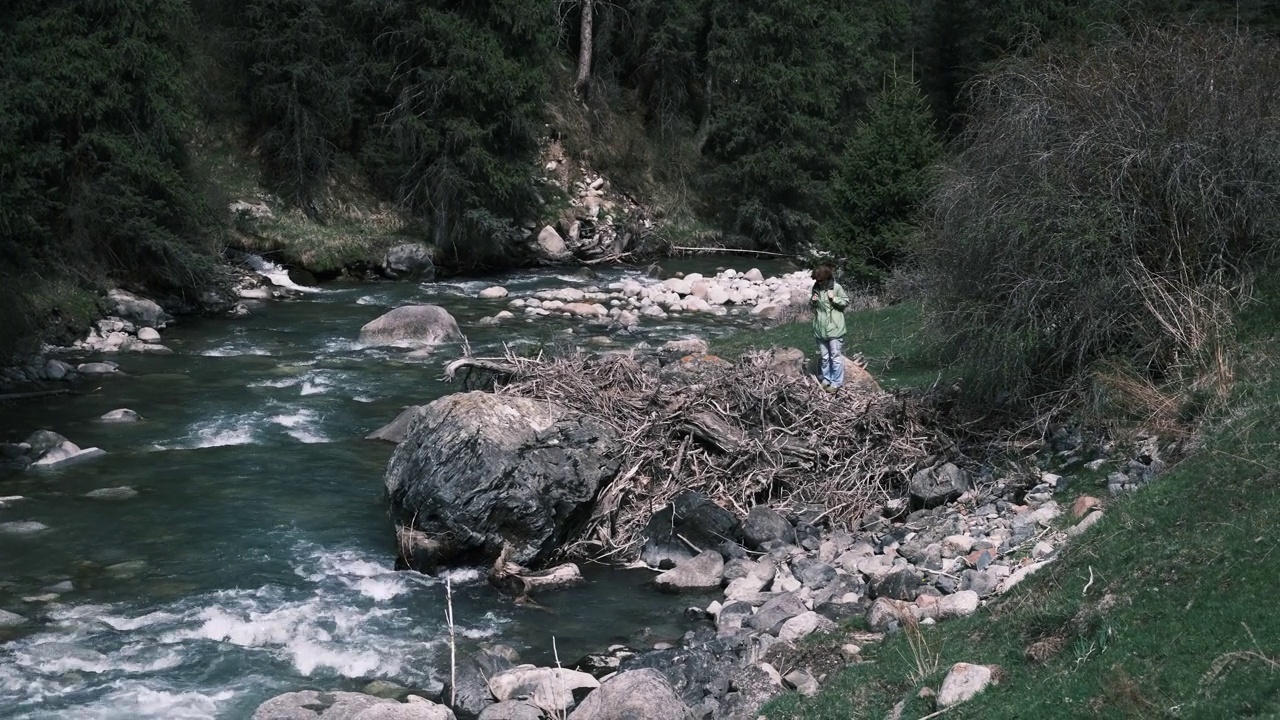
(885, 173)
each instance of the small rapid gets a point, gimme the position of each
(254, 555)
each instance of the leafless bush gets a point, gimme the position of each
(1107, 203)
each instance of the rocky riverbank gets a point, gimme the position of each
(764, 581)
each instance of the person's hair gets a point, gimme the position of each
(823, 274)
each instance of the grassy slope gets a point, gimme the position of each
(887, 338)
(1167, 608)
(356, 233)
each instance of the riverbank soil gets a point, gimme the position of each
(1166, 608)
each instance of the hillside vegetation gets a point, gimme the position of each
(767, 124)
(1164, 609)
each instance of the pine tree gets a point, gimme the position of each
(884, 175)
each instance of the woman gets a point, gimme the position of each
(828, 302)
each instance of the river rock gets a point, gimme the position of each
(884, 613)
(750, 688)
(748, 586)
(900, 584)
(417, 709)
(704, 572)
(932, 487)
(497, 292)
(409, 261)
(511, 710)
(394, 431)
(41, 441)
(693, 517)
(22, 527)
(812, 573)
(122, 415)
(585, 310)
(643, 694)
(309, 704)
(770, 617)
(552, 689)
(115, 493)
(685, 346)
(412, 325)
(56, 370)
(96, 368)
(551, 247)
(963, 682)
(11, 620)
(148, 335)
(690, 671)
(66, 453)
(141, 310)
(803, 682)
(471, 696)
(763, 525)
(485, 470)
(803, 625)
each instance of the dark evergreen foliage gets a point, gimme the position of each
(885, 174)
(94, 174)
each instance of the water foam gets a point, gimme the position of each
(219, 432)
(235, 350)
(349, 615)
(301, 426)
(277, 275)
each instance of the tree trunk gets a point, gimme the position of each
(586, 35)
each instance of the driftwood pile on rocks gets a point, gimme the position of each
(746, 433)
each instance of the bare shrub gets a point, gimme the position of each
(1106, 203)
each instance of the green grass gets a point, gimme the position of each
(1166, 609)
(297, 241)
(889, 338)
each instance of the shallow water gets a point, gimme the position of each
(257, 555)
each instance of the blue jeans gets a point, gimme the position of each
(832, 367)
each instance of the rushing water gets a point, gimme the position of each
(256, 557)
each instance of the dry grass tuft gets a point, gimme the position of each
(926, 656)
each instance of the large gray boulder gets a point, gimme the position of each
(415, 325)
(140, 310)
(478, 471)
(637, 695)
(551, 247)
(409, 261)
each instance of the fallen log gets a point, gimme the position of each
(468, 363)
(519, 581)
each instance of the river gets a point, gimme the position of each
(257, 555)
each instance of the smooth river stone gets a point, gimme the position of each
(22, 527)
(123, 415)
(115, 493)
(9, 619)
(127, 569)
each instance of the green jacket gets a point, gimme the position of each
(828, 311)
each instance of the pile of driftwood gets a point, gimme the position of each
(759, 430)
